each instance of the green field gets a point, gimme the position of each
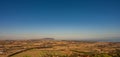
(40, 53)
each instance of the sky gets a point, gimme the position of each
(60, 19)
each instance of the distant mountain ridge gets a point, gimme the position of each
(47, 39)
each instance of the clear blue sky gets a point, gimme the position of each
(60, 19)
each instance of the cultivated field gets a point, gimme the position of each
(58, 48)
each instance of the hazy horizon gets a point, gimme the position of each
(60, 19)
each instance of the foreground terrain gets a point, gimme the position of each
(58, 48)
